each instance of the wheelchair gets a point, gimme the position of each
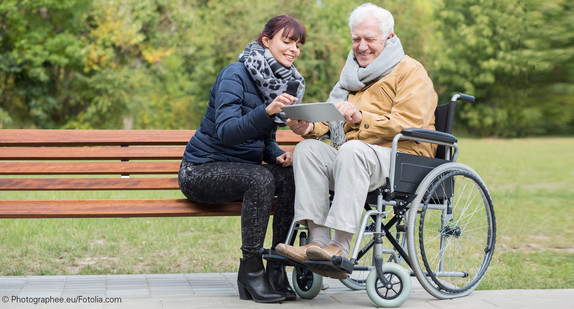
(435, 213)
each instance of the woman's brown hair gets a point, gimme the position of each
(293, 29)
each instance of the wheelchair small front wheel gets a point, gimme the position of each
(306, 283)
(394, 294)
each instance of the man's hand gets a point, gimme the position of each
(285, 159)
(300, 127)
(350, 112)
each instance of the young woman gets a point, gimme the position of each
(222, 161)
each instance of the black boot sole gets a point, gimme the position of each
(245, 294)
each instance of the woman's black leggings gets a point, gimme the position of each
(256, 185)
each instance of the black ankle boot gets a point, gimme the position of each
(252, 282)
(278, 280)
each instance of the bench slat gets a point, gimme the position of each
(89, 168)
(96, 153)
(115, 208)
(55, 184)
(92, 153)
(287, 137)
(39, 137)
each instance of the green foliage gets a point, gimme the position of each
(477, 53)
(75, 64)
(511, 55)
(149, 64)
(40, 51)
(550, 52)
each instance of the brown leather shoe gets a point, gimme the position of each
(323, 254)
(298, 254)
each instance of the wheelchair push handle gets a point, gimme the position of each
(462, 97)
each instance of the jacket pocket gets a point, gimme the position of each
(387, 94)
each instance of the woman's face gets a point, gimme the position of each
(283, 49)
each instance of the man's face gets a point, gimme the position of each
(368, 41)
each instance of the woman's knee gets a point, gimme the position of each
(185, 182)
(262, 177)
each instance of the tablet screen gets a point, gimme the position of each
(313, 112)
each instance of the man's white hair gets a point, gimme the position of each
(363, 11)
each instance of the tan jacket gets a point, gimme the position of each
(405, 98)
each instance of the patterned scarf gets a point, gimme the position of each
(272, 78)
(355, 78)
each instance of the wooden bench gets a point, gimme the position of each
(101, 160)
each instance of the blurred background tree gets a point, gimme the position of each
(514, 56)
(149, 64)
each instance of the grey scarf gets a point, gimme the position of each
(272, 78)
(354, 78)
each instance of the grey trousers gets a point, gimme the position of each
(351, 172)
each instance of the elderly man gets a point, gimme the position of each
(380, 92)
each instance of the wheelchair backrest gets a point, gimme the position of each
(444, 120)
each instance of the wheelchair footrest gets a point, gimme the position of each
(273, 257)
(337, 264)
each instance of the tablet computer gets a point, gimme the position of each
(313, 112)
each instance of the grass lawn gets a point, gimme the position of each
(530, 181)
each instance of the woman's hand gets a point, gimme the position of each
(282, 100)
(285, 159)
(300, 127)
(351, 113)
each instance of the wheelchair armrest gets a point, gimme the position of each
(430, 135)
(420, 135)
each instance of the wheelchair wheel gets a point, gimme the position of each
(393, 295)
(451, 231)
(306, 283)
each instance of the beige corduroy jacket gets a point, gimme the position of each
(405, 98)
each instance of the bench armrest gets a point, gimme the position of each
(430, 135)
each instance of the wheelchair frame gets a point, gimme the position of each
(417, 187)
